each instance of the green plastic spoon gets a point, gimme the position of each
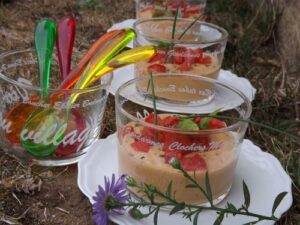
(44, 39)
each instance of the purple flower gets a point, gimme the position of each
(108, 200)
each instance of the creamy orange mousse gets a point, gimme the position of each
(149, 162)
(168, 9)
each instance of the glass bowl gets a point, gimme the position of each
(52, 130)
(199, 51)
(206, 141)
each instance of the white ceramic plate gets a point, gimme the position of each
(261, 171)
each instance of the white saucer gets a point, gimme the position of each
(224, 98)
(261, 171)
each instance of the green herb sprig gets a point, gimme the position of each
(188, 211)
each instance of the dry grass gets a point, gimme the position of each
(252, 52)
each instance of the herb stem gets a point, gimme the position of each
(189, 26)
(198, 207)
(185, 174)
(153, 98)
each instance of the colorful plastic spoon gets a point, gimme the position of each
(105, 52)
(120, 60)
(101, 58)
(45, 125)
(78, 69)
(13, 116)
(64, 44)
(125, 58)
(44, 38)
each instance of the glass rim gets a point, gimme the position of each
(177, 130)
(176, 41)
(4, 77)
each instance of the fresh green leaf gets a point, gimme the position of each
(208, 189)
(195, 220)
(251, 223)
(169, 189)
(191, 186)
(231, 207)
(130, 182)
(136, 214)
(219, 219)
(177, 208)
(278, 201)
(175, 164)
(187, 124)
(246, 195)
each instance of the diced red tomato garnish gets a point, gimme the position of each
(178, 55)
(203, 141)
(169, 121)
(206, 60)
(155, 58)
(188, 61)
(151, 118)
(197, 119)
(141, 146)
(185, 66)
(199, 55)
(173, 154)
(157, 68)
(192, 163)
(148, 133)
(190, 56)
(170, 138)
(158, 57)
(215, 123)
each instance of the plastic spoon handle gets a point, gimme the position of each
(44, 38)
(81, 65)
(125, 58)
(105, 54)
(99, 60)
(64, 44)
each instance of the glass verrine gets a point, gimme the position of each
(198, 50)
(146, 9)
(202, 140)
(53, 130)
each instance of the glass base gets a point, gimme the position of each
(47, 161)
